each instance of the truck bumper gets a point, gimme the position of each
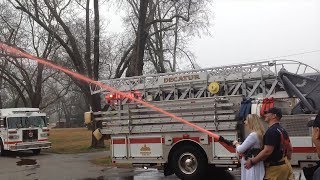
(30, 146)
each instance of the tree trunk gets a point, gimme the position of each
(95, 99)
(88, 41)
(96, 41)
(1, 82)
(37, 95)
(174, 62)
(135, 66)
(97, 124)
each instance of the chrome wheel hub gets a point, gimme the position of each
(188, 163)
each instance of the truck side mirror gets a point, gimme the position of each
(47, 120)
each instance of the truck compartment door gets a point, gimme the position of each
(145, 146)
(119, 146)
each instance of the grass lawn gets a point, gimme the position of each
(72, 140)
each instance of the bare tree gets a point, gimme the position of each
(169, 25)
(63, 13)
(27, 78)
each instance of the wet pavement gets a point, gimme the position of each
(47, 166)
(24, 165)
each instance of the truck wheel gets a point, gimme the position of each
(189, 163)
(36, 151)
(1, 148)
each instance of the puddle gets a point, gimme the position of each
(30, 174)
(26, 162)
(110, 178)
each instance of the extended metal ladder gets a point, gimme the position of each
(258, 79)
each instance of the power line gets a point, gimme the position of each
(296, 54)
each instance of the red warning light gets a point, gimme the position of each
(110, 97)
(113, 97)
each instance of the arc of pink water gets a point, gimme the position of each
(20, 53)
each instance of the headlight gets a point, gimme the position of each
(44, 135)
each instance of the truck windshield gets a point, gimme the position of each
(26, 122)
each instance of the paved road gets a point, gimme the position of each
(48, 166)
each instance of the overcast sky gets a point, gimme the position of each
(249, 30)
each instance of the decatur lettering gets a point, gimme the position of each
(181, 78)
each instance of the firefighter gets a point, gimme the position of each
(315, 124)
(277, 149)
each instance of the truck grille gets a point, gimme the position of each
(30, 135)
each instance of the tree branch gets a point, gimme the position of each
(122, 62)
(78, 59)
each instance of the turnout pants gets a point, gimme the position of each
(281, 170)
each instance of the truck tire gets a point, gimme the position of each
(36, 151)
(1, 148)
(189, 163)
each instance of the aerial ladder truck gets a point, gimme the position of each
(210, 98)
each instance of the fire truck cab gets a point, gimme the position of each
(23, 129)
